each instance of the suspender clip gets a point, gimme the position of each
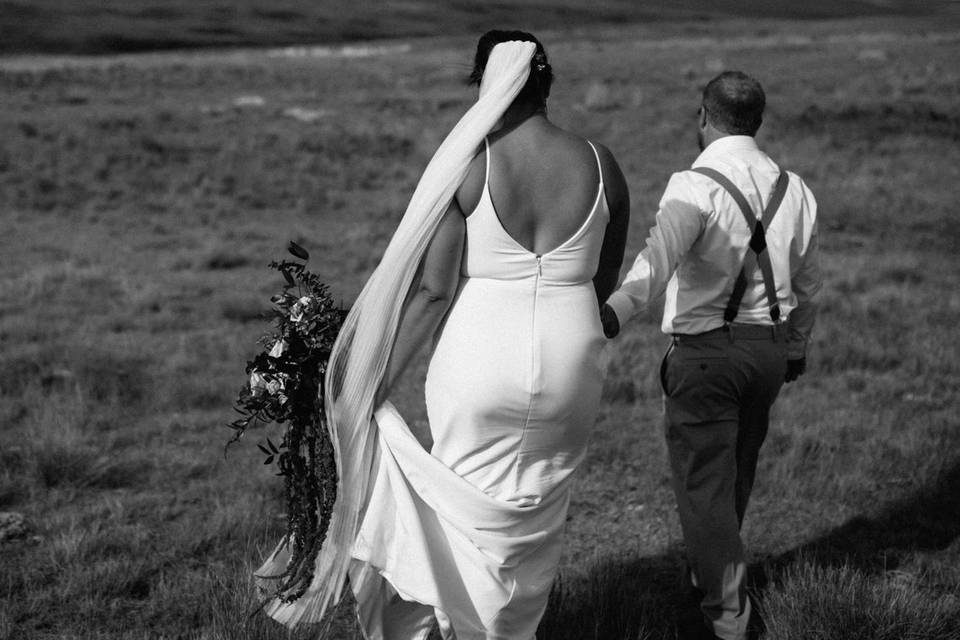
(780, 331)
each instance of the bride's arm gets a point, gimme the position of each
(430, 299)
(615, 238)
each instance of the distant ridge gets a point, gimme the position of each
(115, 26)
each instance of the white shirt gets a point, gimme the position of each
(697, 247)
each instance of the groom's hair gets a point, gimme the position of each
(734, 103)
(537, 88)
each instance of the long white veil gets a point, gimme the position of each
(360, 355)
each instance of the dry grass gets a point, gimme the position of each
(824, 602)
(142, 198)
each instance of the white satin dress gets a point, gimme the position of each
(471, 532)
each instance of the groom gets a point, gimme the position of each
(735, 247)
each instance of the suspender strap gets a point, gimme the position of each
(763, 256)
(758, 244)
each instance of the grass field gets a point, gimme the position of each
(142, 196)
(111, 26)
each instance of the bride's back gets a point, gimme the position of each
(543, 183)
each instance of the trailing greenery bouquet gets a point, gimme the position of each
(286, 388)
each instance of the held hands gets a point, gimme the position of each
(608, 318)
(795, 369)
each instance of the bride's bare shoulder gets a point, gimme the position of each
(573, 148)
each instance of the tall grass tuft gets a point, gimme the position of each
(58, 448)
(843, 603)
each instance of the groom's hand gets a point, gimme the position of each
(611, 325)
(795, 369)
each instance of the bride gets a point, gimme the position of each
(514, 235)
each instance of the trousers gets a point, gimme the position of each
(718, 389)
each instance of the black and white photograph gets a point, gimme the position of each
(452, 320)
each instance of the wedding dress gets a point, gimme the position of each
(470, 532)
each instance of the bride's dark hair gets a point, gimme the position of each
(537, 88)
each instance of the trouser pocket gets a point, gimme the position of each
(700, 383)
(689, 368)
(663, 369)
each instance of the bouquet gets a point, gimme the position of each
(285, 388)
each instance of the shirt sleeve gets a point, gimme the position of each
(806, 283)
(679, 222)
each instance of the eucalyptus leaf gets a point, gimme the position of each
(298, 251)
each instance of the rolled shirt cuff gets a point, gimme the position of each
(622, 306)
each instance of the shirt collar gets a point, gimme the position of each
(726, 145)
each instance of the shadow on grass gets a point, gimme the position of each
(873, 577)
(617, 598)
(926, 521)
(643, 598)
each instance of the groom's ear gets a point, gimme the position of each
(702, 117)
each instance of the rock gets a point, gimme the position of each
(872, 55)
(12, 526)
(600, 97)
(714, 64)
(249, 101)
(304, 115)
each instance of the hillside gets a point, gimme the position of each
(110, 26)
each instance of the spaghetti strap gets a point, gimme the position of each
(486, 158)
(597, 156)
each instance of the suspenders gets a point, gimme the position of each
(758, 254)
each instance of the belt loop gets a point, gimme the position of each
(729, 327)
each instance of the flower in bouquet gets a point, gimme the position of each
(302, 309)
(272, 385)
(261, 383)
(278, 348)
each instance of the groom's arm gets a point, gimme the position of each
(806, 283)
(679, 222)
